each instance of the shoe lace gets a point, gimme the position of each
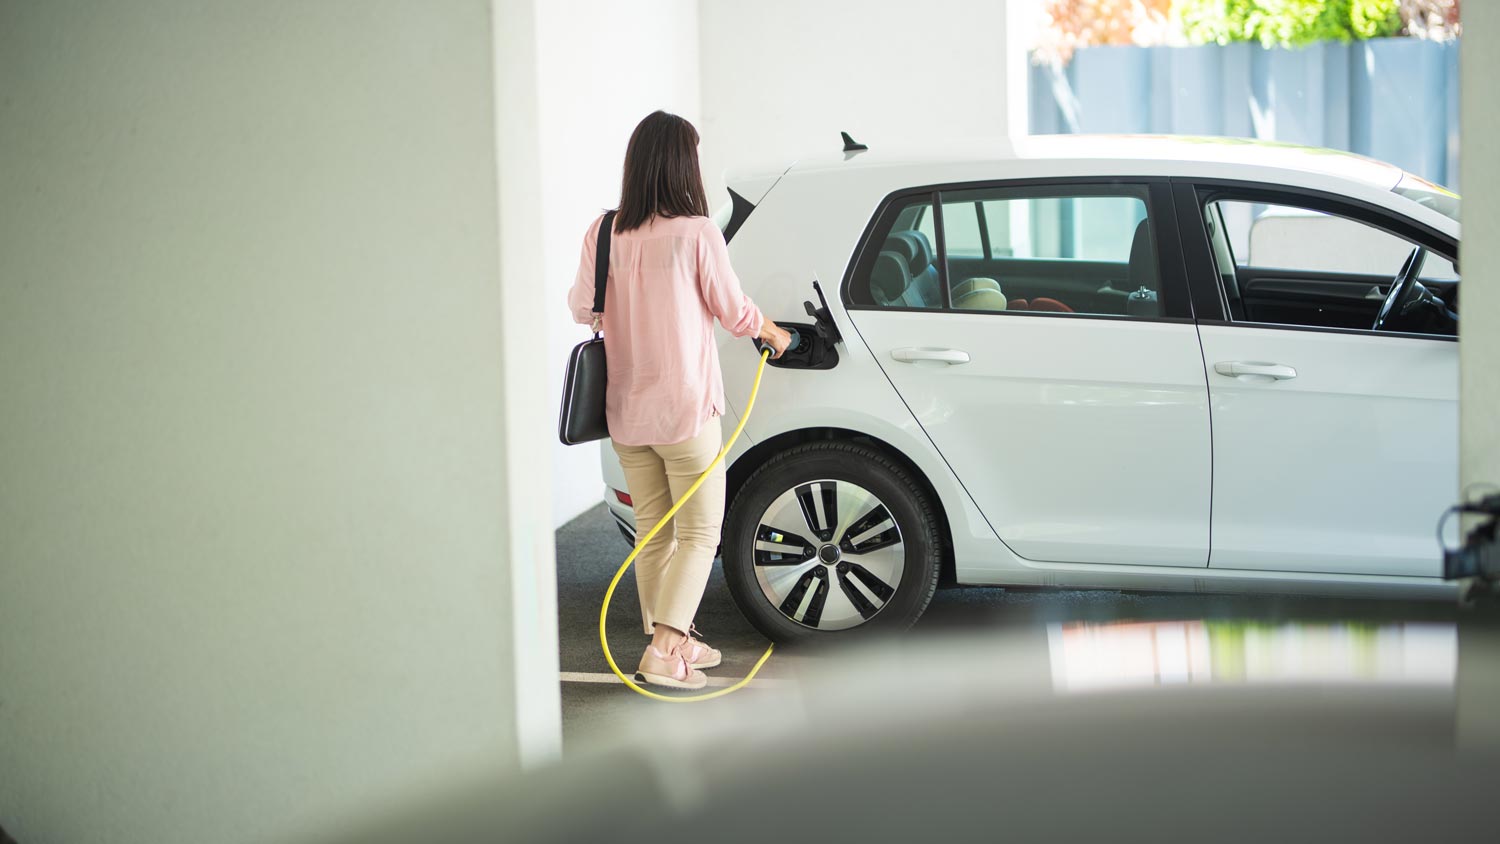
(679, 653)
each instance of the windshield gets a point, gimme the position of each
(1436, 197)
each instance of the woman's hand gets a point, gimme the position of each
(776, 337)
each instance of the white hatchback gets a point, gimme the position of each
(1114, 362)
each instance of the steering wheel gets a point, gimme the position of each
(1403, 289)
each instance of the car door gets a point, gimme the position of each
(1051, 358)
(1335, 448)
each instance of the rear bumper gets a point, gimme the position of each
(614, 479)
(624, 516)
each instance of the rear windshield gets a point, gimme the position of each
(1436, 197)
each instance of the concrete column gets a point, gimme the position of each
(270, 552)
(1021, 20)
(1479, 328)
(529, 401)
(1479, 340)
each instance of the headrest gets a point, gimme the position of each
(888, 278)
(969, 285)
(980, 299)
(914, 247)
(1143, 259)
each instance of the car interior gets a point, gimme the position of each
(905, 274)
(1277, 264)
(1288, 265)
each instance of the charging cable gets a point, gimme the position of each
(665, 520)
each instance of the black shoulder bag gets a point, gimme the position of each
(582, 418)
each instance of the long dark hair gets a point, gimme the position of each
(661, 173)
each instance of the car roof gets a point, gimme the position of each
(1121, 155)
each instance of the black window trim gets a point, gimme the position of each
(1192, 195)
(984, 230)
(1178, 307)
(945, 292)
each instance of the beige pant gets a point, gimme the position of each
(672, 572)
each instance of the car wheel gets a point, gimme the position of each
(831, 538)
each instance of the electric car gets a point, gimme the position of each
(1088, 362)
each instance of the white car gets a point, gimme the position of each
(1118, 362)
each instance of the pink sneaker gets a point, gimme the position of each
(670, 669)
(698, 654)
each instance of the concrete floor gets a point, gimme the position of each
(590, 548)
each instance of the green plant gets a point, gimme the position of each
(1287, 23)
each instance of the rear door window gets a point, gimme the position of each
(1073, 250)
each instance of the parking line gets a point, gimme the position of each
(586, 677)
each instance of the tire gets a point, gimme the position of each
(777, 539)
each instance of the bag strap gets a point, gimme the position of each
(601, 259)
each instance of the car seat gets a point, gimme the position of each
(978, 294)
(889, 279)
(1119, 295)
(1048, 304)
(923, 290)
(1044, 304)
(1142, 275)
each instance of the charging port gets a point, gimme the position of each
(808, 350)
(814, 345)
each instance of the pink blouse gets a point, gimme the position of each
(668, 280)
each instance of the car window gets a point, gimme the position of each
(1284, 264)
(899, 267)
(1292, 238)
(925, 222)
(1074, 250)
(961, 232)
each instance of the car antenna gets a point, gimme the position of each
(850, 145)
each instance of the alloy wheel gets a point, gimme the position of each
(828, 554)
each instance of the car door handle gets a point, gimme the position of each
(1255, 371)
(952, 357)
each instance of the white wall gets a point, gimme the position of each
(253, 529)
(602, 66)
(776, 79)
(1479, 330)
(782, 78)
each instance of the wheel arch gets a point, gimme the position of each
(757, 455)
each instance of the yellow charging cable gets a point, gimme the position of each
(641, 543)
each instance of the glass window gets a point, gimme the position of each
(1083, 250)
(961, 235)
(1291, 238)
(925, 223)
(1291, 265)
(899, 268)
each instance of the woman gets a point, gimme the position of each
(669, 278)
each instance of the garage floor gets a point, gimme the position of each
(594, 704)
